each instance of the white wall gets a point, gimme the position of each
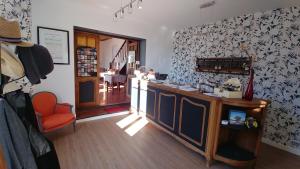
(64, 14)
(108, 50)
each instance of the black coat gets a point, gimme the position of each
(14, 139)
(43, 149)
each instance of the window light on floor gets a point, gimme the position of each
(127, 120)
(137, 126)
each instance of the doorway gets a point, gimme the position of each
(104, 65)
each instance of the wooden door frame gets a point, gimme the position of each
(81, 29)
(77, 29)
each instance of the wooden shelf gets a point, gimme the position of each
(235, 156)
(255, 103)
(233, 65)
(238, 145)
(239, 127)
(233, 152)
(86, 52)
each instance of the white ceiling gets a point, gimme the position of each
(175, 14)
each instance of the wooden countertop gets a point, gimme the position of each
(195, 94)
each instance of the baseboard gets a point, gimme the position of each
(282, 147)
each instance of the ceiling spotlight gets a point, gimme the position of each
(122, 13)
(115, 17)
(130, 7)
(139, 4)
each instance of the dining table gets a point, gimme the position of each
(111, 79)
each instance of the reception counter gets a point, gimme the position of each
(194, 118)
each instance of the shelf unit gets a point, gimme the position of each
(86, 52)
(239, 146)
(232, 65)
(86, 62)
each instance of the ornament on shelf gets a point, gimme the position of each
(249, 91)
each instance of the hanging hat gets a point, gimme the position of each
(31, 70)
(10, 33)
(43, 60)
(10, 64)
(37, 62)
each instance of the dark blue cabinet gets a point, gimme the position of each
(151, 100)
(193, 121)
(186, 117)
(167, 109)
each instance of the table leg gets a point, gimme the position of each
(106, 86)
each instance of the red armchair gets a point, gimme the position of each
(51, 115)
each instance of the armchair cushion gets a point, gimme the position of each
(44, 103)
(63, 108)
(57, 121)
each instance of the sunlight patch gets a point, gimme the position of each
(127, 120)
(137, 126)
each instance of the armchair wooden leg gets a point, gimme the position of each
(74, 126)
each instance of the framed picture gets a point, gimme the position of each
(237, 117)
(57, 42)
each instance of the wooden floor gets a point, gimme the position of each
(103, 144)
(113, 95)
(100, 110)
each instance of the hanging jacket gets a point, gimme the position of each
(17, 101)
(14, 139)
(2, 161)
(43, 149)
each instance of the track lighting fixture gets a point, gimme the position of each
(129, 8)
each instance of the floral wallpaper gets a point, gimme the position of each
(18, 9)
(274, 37)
